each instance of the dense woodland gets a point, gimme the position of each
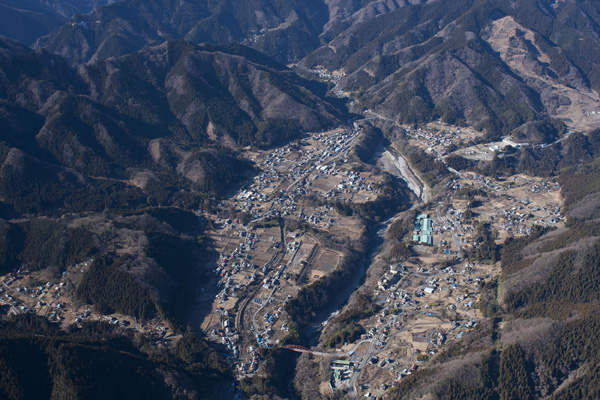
(43, 243)
(344, 327)
(316, 297)
(276, 374)
(39, 361)
(110, 290)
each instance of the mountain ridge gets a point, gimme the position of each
(176, 110)
(27, 20)
(125, 27)
(420, 62)
(497, 66)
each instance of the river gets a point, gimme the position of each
(393, 162)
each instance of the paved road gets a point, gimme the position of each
(239, 318)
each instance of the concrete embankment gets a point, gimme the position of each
(393, 162)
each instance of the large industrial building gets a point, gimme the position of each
(423, 233)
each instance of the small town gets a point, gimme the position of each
(262, 263)
(423, 303)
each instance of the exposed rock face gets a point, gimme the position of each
(565, 95)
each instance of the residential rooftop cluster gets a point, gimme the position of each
(261, 263)
(440, 140)
(27, 291)
(420, 308)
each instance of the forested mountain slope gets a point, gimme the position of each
(493, 64)
(497, 65)
(285, 30)
(150, 118)
(140, 140)
(99, 362)
(27, 20)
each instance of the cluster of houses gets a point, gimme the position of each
(438, 142)
(236, 261)
(453, 221)
(287, 173)
(43, 299)
(401, 302)
(518, 218)
(48, 299)
(391, 277)
(251, 366)
(334, 77)
(290, 172)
